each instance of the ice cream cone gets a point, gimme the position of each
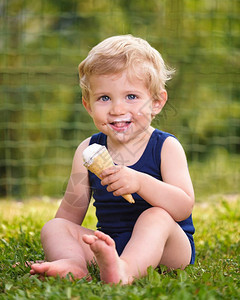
(96, 159)
(129, 198)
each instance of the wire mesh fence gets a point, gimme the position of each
(41, 44)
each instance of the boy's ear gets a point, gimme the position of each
(87, 106)
(159, 103)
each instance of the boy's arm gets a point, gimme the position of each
(76, 199)
(175, 193)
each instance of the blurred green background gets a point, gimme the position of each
(42, 119)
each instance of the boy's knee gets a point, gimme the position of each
(51, 225)
(160, 214)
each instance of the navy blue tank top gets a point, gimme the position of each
(115, 214)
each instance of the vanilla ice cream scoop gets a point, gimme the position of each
(96, 158)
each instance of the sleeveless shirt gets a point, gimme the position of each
(115, 214)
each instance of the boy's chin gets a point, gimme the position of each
(121, 137)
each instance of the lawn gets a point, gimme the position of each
(215, 274)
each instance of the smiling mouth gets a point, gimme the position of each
(120, 126)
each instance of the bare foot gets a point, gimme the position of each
(59, 267)
(112, 267)
(31, 262)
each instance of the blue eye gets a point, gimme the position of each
(131, 97)
(104, 98)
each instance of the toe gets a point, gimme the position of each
(89, 239)
(104, 237)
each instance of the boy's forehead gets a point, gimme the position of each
(127, 75)
(96, 81)
(116, 83)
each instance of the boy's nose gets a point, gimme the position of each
(118, 108)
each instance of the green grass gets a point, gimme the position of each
(215, 274)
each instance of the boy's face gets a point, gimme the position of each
(121, 108)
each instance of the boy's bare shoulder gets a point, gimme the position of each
(173, 154)
(173, 145)
(77, 159)
(82, 146)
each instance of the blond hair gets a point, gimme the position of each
(126, 52)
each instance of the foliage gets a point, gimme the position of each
(41, 44)
(219, 174)
(215, 274)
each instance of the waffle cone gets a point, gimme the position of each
(129, 198)
(102, 162)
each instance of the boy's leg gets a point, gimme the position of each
(64, 249)
(156, 239)
(159, 240)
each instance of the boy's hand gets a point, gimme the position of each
(120, 180)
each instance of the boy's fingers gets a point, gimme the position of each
(110, 170)
(111, 178)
